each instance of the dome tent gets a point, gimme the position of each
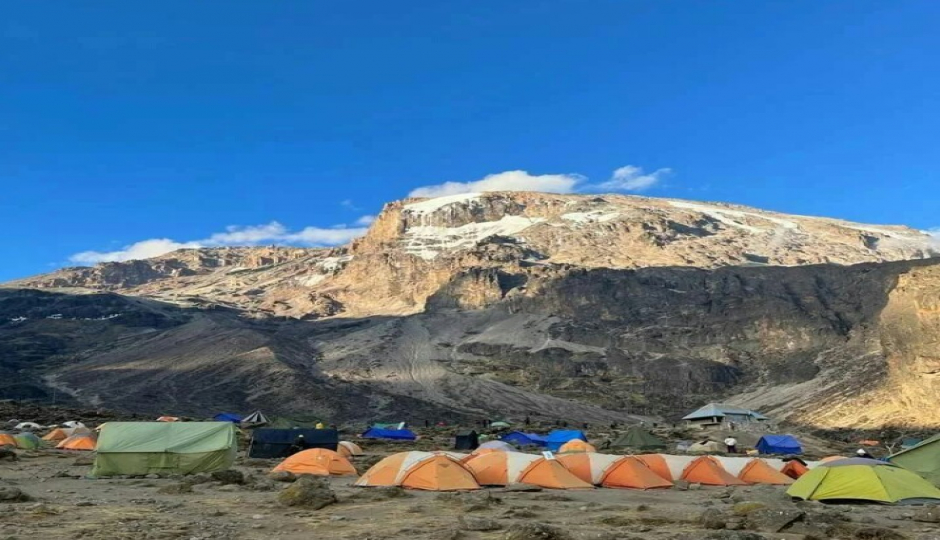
(317, 461)
(860, 479)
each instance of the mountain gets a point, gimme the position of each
(587, 308)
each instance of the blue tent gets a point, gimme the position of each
(779, 444)
(228, 417)
(524, 439)
(393, 434)
(561, 436)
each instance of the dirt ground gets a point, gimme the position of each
(67, 504)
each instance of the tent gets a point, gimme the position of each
(667, 466)
(794, 468)
(466, 440)
(498, 446)
(779, 444)
(705, 447)
(524, 439)
(755, 470)
(7, 440)
(860, 479)
(348, 449)
(560, 437)
(639, 439)
(228, 417)
(708, 471)
(140, 448)
(276, 443)
(923, 458)
(26, 426)
(73, 424)
(317, 461)
(256, 417)
(168, 419)
(84, 442)
(505, 468)
(419, 470)
(576, 445)
(909, 442)
(391, 434)
(285, 422)
(500, 425)
(612, 471)
(28, 441)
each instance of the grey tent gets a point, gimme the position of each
(640, 439)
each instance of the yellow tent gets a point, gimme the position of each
(859, 479)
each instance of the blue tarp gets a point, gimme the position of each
(228, 417)
(394, 434)
(779, 444)
(524, 439)
(561, 436)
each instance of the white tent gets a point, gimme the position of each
(256, 417)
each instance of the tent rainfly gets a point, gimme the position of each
(391, 434)
(524, 439)
(779, 444)
(228, 417)
(923, 458)
(141, 448)
(559, 437)
(256, 417)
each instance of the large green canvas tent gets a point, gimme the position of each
(923, 459)
(638, 438)
(139, 448)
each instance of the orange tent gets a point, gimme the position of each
(78, 442)
(504, 468)
(7, 440)
(348, 449)
(576, 445)
(168, 419)
(827, 459)
(794, 469)
(56, 435)
(759, 472)
(317, 461)
(612, 471)
(666, 466)
(420, 470)
(708, 471)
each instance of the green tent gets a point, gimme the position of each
(139, 448)
(638, 438)
(859, 479)
(28, 441)
(924, 459)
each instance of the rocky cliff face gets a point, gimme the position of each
(585, 308)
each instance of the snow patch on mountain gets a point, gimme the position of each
(428, 242)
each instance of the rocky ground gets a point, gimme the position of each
(47, 494)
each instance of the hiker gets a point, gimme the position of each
(732, 445)
(862, 453)
(527, 421)
(300, 444)
(427, 424)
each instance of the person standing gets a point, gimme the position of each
(732, 445)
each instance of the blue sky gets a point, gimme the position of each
(204, 122)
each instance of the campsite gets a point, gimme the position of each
(219, 478)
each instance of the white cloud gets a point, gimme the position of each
(365, 220)
(271, 233)
(631, 178)
(504, 181)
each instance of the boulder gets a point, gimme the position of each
(230, 476)
(468, 523)
(176, 488)
(534, 531)
(745, 508)
(282, 476)
(877, 533)
(927, 514)
(309, 492)
(772, 520)
(712, 519)
(13, 495)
